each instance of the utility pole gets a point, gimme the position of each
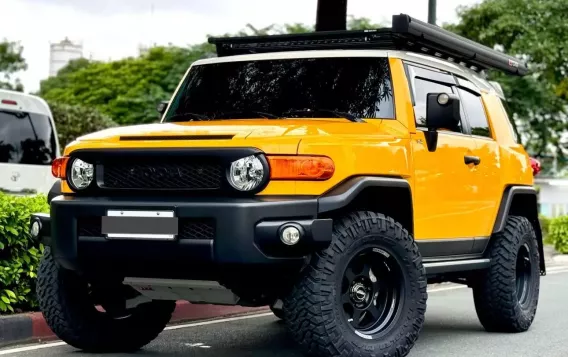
(331, 15)
(432, 12)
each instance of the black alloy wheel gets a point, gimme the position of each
(371, 291)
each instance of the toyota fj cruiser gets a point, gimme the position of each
(330, 175)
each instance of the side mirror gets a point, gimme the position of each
(442, 112)
(162, 106)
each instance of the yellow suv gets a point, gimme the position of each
(328, 175)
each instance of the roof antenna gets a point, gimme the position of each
(331, 15)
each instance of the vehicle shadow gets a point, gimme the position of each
(268, 338)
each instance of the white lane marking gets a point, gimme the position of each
(555, 270)
(199, 344)
(447, 289)
(212, 322)
(32, 348)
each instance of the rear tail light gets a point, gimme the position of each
(9, 102)
(300, 167)
(59, 167)
(535, 164)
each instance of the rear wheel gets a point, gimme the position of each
(68, 305)
(506, 295)
(365, 295)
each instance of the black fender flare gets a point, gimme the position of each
(344, 193)
(54, 191)
(531, 212)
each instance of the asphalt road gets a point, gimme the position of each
(451, 329)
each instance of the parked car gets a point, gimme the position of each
(28, 144)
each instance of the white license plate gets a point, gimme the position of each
(160, 225)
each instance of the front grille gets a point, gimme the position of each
(196, 229)
(189, 228)
(162, 175)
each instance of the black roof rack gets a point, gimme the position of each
(406, 33)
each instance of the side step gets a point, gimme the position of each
(456, 266)
(194, 291)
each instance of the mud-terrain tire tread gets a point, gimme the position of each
(69, 315)
(308, 309)
(494, 292)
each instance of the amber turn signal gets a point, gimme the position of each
(300, 167)
(59, 167)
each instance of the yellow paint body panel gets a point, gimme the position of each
(450, 199)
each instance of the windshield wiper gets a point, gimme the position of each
(184, 116)
(336, 113)
(247, 112)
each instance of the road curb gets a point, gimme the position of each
(30, 327)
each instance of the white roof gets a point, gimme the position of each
(25, 102)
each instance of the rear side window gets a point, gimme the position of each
(26, 138)
(475, 113)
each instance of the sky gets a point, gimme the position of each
(114, 29)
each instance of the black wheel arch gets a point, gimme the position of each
(373, 193)
(521, 201)
(54, 191)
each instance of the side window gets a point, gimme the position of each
(475, 113)
(421, 88)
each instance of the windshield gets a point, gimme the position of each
(26, 138)
(301, 87)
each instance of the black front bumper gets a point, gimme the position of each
(241, 231)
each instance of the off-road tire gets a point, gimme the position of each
(313, 311)
(63, 300)
(495, 291)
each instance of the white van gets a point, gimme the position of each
(28, 144)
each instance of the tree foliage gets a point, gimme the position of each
(128, 90)
(19, 253)
(11, 61)
(535, 31)
(73, 121)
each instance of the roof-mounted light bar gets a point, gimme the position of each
(406, 34)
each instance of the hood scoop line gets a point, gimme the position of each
(177, 137)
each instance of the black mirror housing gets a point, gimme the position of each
(442, 111)
(162, 106)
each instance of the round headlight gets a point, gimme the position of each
(82, 174)
(247, 173)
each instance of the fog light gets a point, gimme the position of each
(34, 230)
(290, 235)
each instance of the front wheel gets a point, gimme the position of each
(506, 295)
(365, 295)
(67, 303)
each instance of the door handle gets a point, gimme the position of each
(471, 160)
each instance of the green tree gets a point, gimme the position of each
(11, 61)
(128, 90)
(73, 121)
(535, 31)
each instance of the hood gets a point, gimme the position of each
(230, 130)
